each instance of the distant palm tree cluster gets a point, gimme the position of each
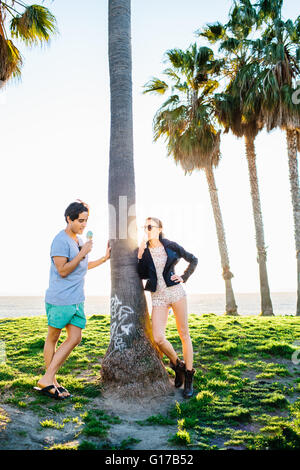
(255, 70)
(32, 24)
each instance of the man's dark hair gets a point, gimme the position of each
(74, 209)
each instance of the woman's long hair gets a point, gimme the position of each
(159, 223)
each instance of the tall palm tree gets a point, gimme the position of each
(240, 68)
(185, 120)
(131, 365)
(279, 53)
(32, 24)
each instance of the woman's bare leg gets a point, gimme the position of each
(159, 318)
(181, 316)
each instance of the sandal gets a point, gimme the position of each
(45, 391)
(64, 390)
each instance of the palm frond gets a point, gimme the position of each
(171, 103)
(203, 56)
(243, 18)
(177, 58)
(297, 26)
(10, 60)
(230, 45)
(210, 87)
(172, 74)
(155, 85)
(186, 150)
(168, 121)
(228, 113)
(36, 25)
(212, 32)
(269, 9)
(290, 28)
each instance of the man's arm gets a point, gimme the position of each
(65, 267)
(94, 264)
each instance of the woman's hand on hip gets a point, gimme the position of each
(176, 278)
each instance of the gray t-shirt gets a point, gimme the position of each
(70, 289)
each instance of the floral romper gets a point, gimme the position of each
(164, 295)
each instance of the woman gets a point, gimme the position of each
(157, 258)
(65, 296)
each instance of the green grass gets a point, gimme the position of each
(158, 419)
(98, 423)
(182, 436)
(246, 390)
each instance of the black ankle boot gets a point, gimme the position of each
(179, 369)
(188, 383)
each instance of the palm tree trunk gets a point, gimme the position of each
(231, 307)
(131, 366)
(266, 303)
(291, 137)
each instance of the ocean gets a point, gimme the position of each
(284, 303)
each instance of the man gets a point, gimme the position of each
(65, 296)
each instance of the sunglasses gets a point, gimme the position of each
(150, 227)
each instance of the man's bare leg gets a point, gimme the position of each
(60, 356)
(49, 350)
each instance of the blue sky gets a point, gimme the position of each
(55, 127)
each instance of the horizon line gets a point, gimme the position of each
(190, 293)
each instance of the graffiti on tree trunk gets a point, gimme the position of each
(120, 324)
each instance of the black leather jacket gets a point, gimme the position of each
(146, 267)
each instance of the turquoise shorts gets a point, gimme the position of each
(61, 315)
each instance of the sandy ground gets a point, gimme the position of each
(23, 430)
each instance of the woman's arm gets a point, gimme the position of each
(142, 266)
(192, 260)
